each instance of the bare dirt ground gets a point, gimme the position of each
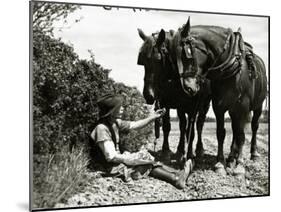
(203, 183)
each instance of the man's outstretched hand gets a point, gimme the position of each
(159, 113)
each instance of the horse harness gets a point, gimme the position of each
(163, 51)
(166, 56)
(237, 50)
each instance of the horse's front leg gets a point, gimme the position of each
(199, 126)
(190, 136)
(219, 167)
(182, 126)
(166, 152)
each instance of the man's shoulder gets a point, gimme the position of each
(101, 133)
(100, 128)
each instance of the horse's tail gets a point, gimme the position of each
(261, 85)
(261, 69)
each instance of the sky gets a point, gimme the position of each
(113, 37)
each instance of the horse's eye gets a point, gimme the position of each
(188, 50)
(157, 56)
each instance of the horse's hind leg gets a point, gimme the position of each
(240, 139)
(240, 115)
(219, 167)
(182, 126)
(255, 126)
(231, 160)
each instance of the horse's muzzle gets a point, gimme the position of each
(149, 97)
(191, 89)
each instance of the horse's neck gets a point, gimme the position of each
(213, 37)
(169, 72)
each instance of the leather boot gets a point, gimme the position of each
(177, 179)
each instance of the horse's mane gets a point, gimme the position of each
(209, 30)
(209, 27)
(198, 30)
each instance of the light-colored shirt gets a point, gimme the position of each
(102, 136)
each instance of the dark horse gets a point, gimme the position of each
(161, 83)
(238, 82)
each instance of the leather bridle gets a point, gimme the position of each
(188, 50)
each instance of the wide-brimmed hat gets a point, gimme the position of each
(108, 104)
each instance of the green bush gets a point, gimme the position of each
(65, 91)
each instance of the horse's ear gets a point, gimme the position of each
(172, 32)
(161, 37)
(186, 29)
(142, 35)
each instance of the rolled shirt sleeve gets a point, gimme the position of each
(124, 126)
(108, 149)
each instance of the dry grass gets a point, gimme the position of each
(58, 176)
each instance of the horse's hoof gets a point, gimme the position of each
(255, 156)
(231, 163)
(181, 161)
(199, 153)
(229, 171)
(239, 171)
(190, 156)
(178, 155)
(219, 169)
(166, 155)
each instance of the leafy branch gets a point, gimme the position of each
(45, 14)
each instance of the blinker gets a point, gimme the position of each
(187, 51)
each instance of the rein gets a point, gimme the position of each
(157, 124)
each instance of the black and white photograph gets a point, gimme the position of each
(137, 105)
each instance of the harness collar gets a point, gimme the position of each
(232, 64)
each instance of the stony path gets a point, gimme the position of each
(203, 183)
